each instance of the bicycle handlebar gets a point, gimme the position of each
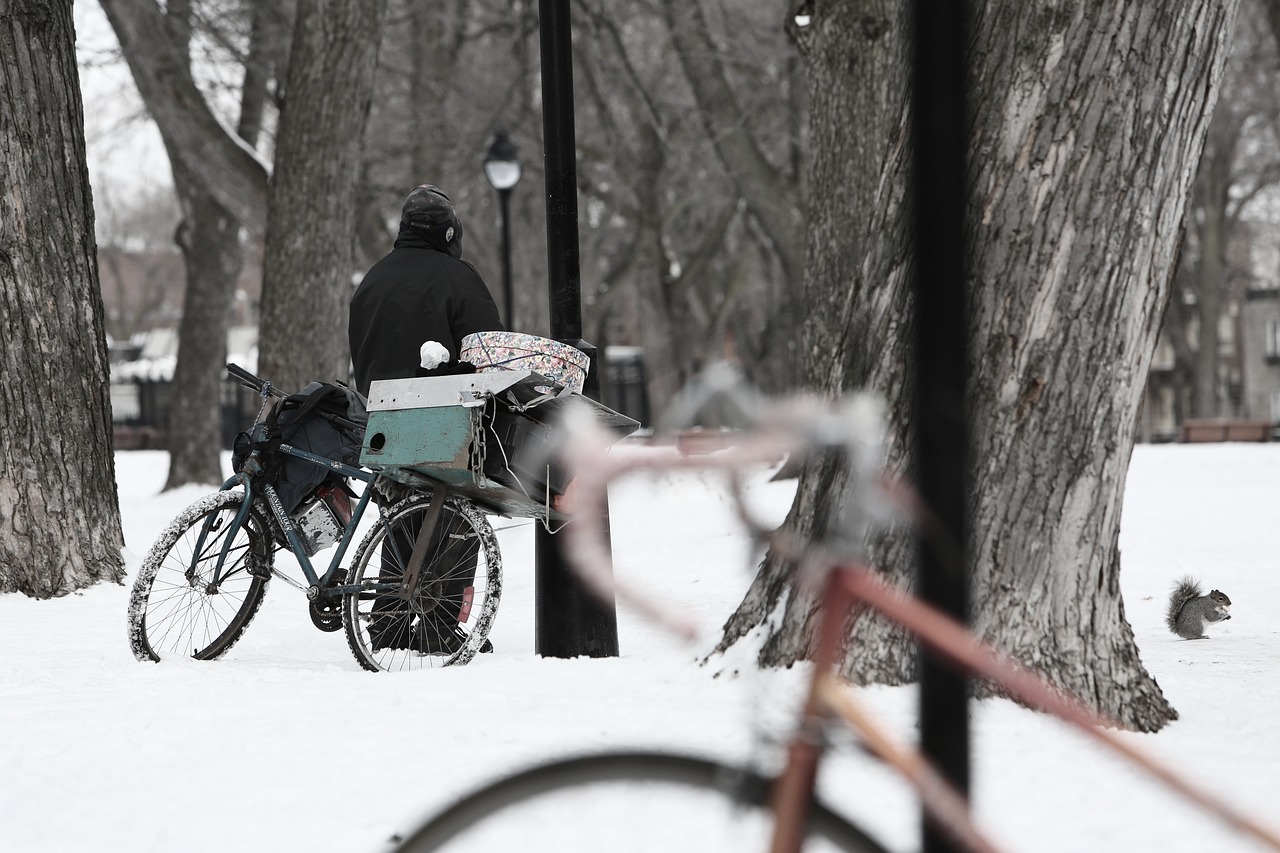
(256, 383)
(771, 429)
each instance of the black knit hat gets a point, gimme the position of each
(427, 206)
(429, 210)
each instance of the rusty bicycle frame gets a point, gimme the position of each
(847, 588)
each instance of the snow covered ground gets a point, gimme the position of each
(286, 744)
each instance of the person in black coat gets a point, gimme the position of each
(421, 291)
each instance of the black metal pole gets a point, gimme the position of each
(504, 202)
(568, 620)
(941, 350)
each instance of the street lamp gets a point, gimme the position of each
(502, 169)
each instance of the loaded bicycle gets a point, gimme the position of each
(434, 456)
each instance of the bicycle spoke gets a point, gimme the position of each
(174, 609)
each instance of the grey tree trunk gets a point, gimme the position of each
(210, 240)
(308, 264)
(1087, 125)
(1210, 292)
(770, 196)
(59, 516)
(438, 30)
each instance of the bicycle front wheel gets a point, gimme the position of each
(445, 619)
(176, 609)
(627, 801)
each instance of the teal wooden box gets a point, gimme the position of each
(454, 430)
(435, 441)
(424, 431)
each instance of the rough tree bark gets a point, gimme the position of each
(59, 517)
(1087, 125)
(308, 265)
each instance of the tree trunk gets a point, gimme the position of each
(1087, 124)
(770, 194)
(210, 240)
(771, 198)
(1211, 225)
(221, 186)
(59, 516)
(856, 283)
(308, 264)
(209, 237)
(437, 30)
(1209, 296)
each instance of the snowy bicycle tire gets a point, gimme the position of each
(463, 546)
(173, 611)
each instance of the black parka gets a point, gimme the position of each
(417, 293)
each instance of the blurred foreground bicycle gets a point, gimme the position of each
(670, 801)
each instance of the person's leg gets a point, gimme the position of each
(450, 574)
(393, 623)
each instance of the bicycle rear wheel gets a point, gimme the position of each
(626, 801)
(174, 610)
(446, 619)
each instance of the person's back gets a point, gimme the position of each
(421, 291)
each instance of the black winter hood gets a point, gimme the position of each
(436, 237)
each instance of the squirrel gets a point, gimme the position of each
(1189, 609)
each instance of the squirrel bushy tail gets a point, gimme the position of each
(1186, 589)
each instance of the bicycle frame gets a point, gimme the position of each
(850, 589)
(829, 698)
(319, 584)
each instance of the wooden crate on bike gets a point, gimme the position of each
(488, 435)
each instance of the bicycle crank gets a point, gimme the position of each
(326, 610)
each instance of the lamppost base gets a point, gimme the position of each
(569, 620)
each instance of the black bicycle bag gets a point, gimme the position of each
(324, 418)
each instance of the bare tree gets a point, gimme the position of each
(308, 259)
(1079, 176)
(696, 250)
(667, 228)
(207, 162)
(59, 516)
(210, 238)
(309, 262)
